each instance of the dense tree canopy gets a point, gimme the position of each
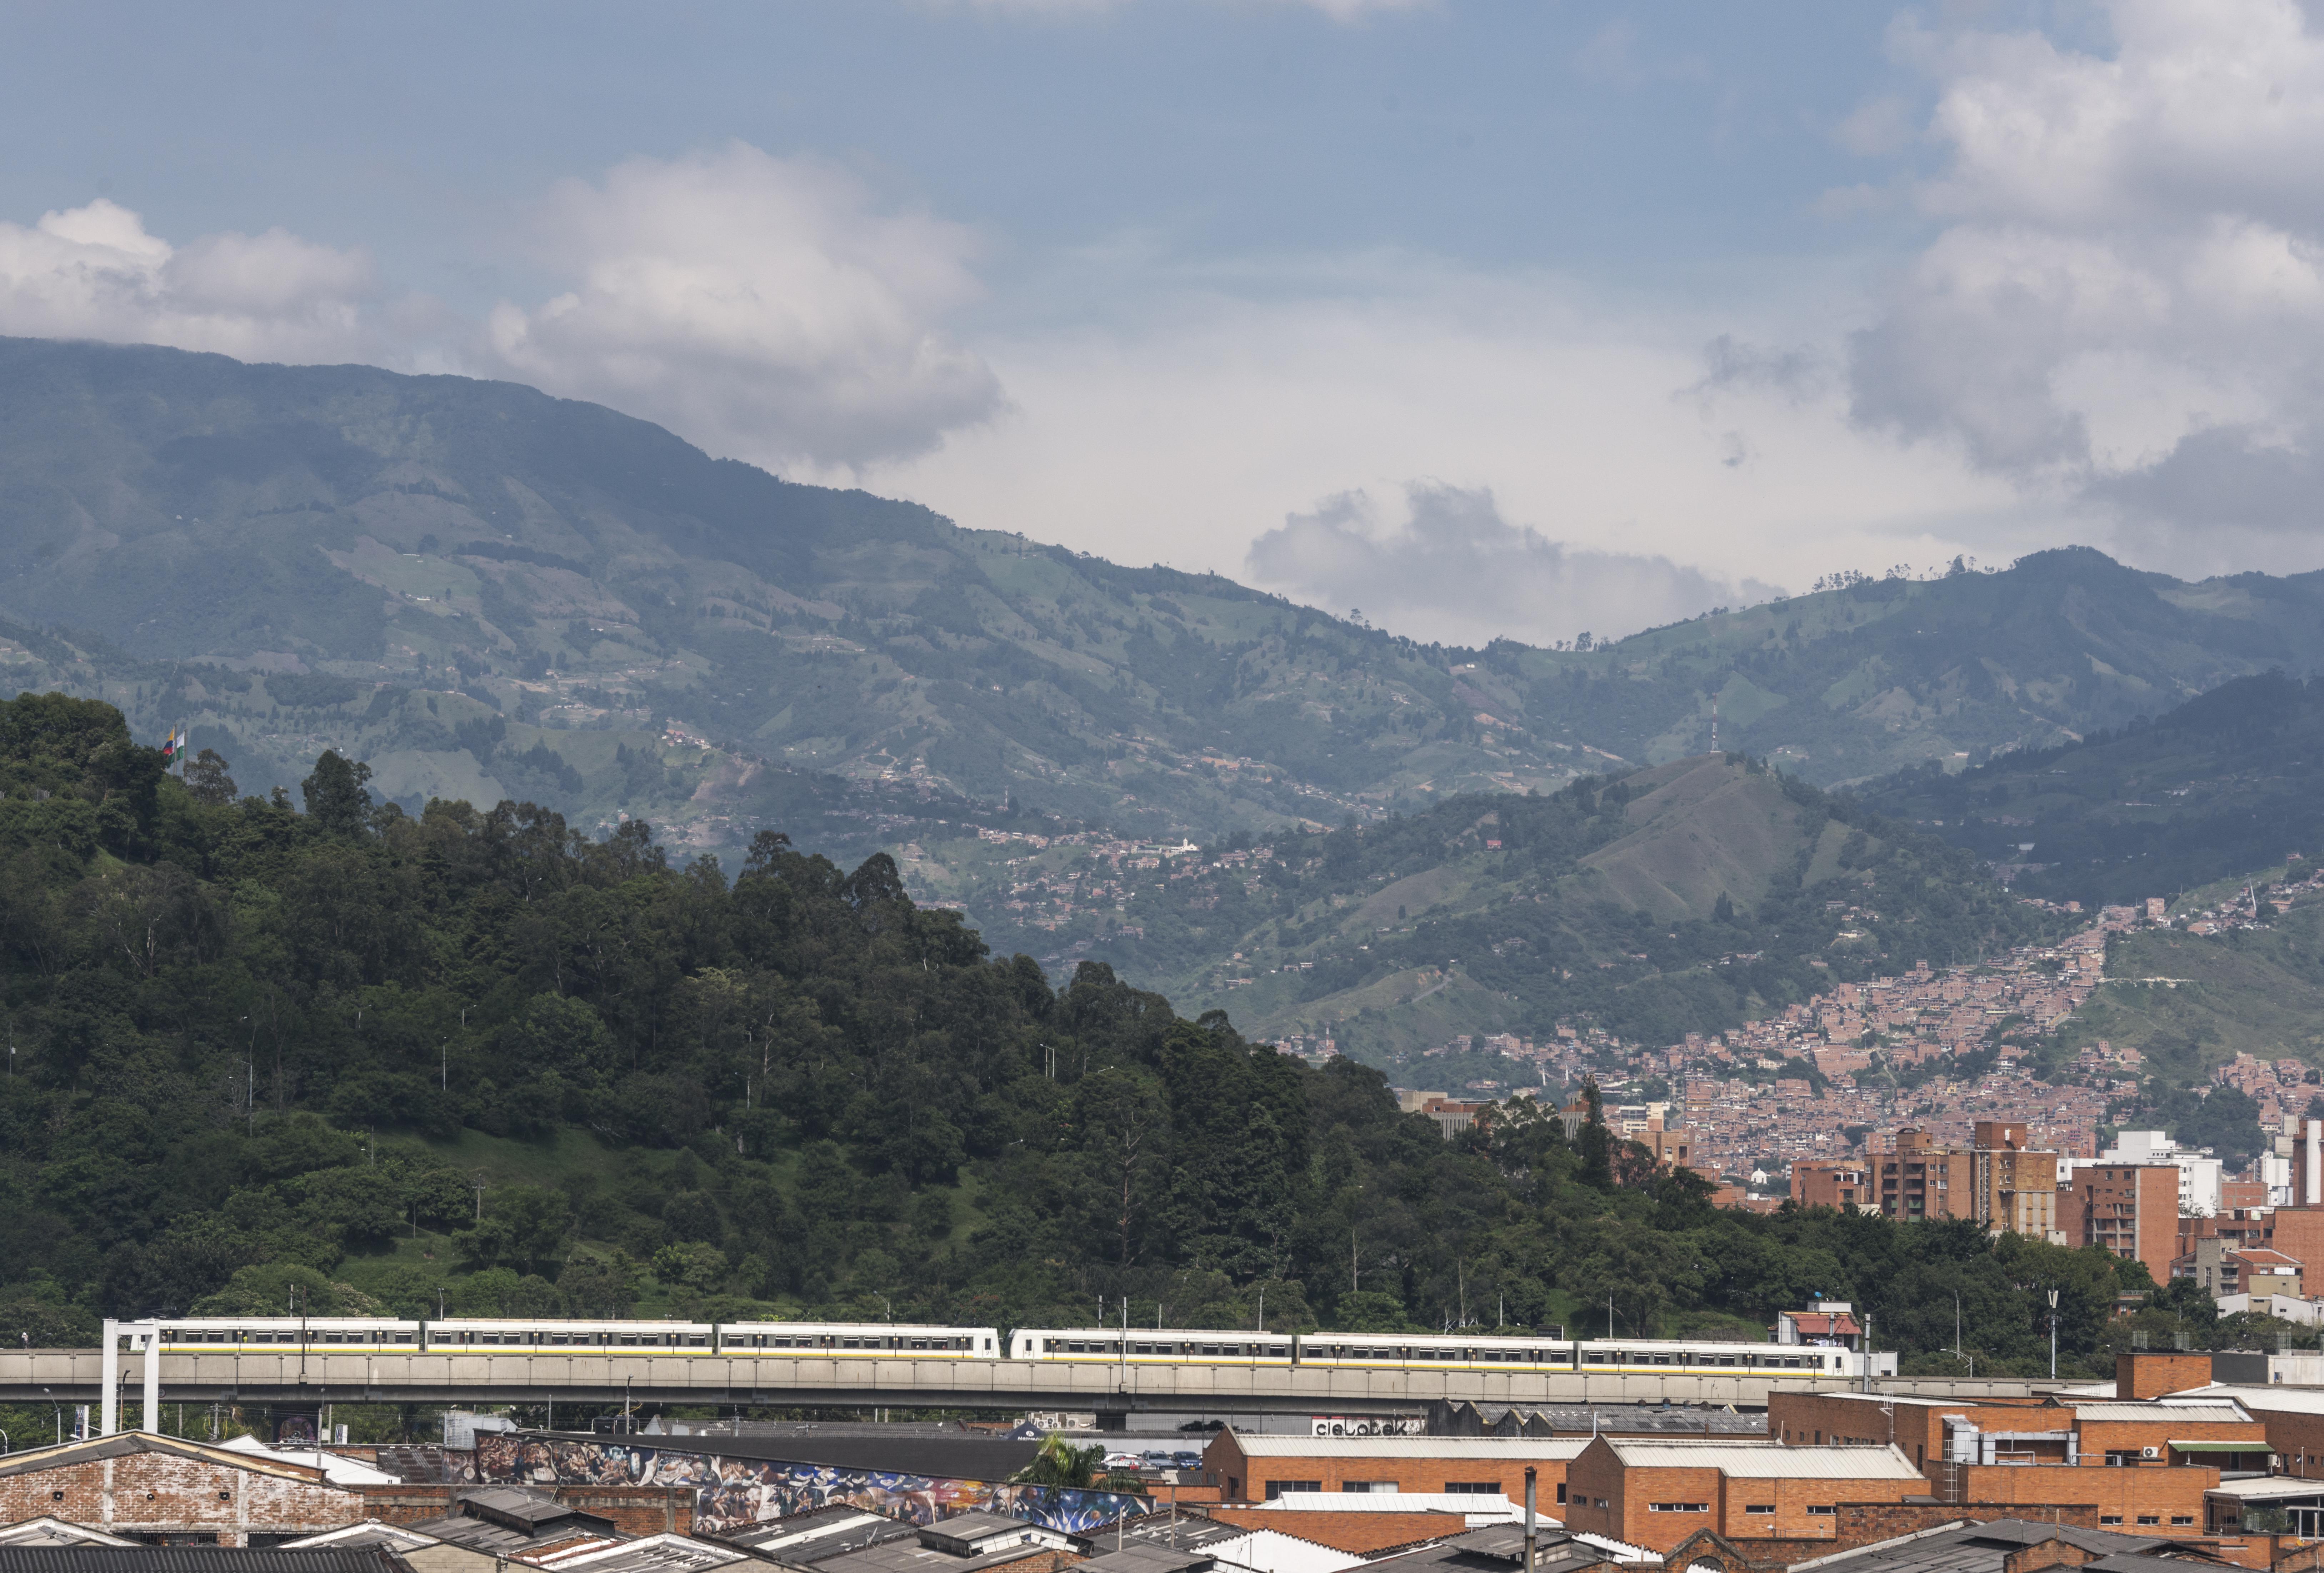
(478, 1061)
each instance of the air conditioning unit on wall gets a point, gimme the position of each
(2149, 1452)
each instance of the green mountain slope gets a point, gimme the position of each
(2188, 1002)
(2230, 781)
(295, 556)
(1880, 674)
(291, 556)
(1689, 896)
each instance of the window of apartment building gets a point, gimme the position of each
(2110, 1517)
(1364, 1486)
(1757, 1507)
(2150, 1518)
(2181, 1520)
(1598, 1502)
(1473, 1488)
(1276, 1488)
(1561, 1491)
(1824, 1511)
(1678, 1507)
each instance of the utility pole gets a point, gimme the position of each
(2053, 1335)
(1529, 1534)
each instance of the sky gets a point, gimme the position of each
(1477, 318)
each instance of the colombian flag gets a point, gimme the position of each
(174, 743)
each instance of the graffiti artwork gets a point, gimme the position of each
(730, 1493)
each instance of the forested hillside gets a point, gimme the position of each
(471, 1059)
(2226, 784)
(1689, 897)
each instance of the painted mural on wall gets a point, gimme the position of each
(734, 1493)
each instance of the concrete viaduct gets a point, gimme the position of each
(315, 1376)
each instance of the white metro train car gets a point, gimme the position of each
(340, 1335)
(1647, 1357)
(858, 1340)
(1152, 1346)
(511, 1334)
(493, 1335)
(1482, 1351)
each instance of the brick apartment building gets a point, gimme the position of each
(1997, 1180)
(1845, 1187)
(2130, 1208)
(1251, 1468)
(1656, 1494)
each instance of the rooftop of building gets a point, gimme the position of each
(1982, 1548)
(2176, 1410)
(86, 1558)
(663, 1553)
(1767, 1460)
(1259, 1445)
(1500, 1546)
(56, 1531)
(824, 1532)
(126, 1444)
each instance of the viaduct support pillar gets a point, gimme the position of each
(109, 1400)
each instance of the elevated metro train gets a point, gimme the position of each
(1472, 1350)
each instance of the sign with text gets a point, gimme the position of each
(1369, 1425)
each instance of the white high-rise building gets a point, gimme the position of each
(2199, 1172)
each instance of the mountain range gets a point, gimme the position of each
(486, 591)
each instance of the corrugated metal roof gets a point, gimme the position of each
(2270, 1400)
(55, 1532)
(664, 1553)
(1975, 1548)
(125, 1443)
(1769, 1460)
(2203, 1414)
(197, 1559)
(1516, 1449)
(1267, 1551)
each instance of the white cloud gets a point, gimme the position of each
(769, 308)
(1450, 569)
(1216, 407)
(2125, 303)
(94, 272)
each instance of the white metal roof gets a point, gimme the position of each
(1516, 1450)
(2208, 1414)
(1769, 1460)
(336, 1468)
(1622, 1550)
(2266, 1487)
(2268, 1399)
(1271, 1551)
